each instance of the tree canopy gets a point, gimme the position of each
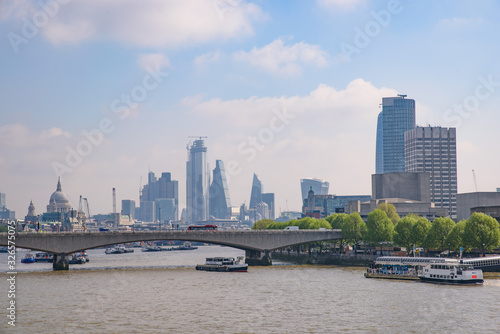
(454, 240)
(379, 227)
(390, 211)
(402, 235)
(354, 229)
(262, 224)
(419, 231)
(481, 231)
(436, 237)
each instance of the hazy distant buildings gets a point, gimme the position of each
(434, 150)
(154, 193)
(128, 208)
(397, 117)
(219, 202)
(4, 212)
(31, 217)
(256, 194)
(197, 183)
(320, 187)
(268, 198)
(257, 197)
(321, 206)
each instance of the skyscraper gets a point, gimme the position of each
(320, 187)
(397, 117)
(268, 198)
(159, 189)
(220, 204)
(434, 150)
(128, 208)
(197, 182)
(256, 195)
(2, 201)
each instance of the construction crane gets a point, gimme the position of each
(474, 177)
(115, 216)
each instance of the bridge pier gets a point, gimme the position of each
(258, 258)
(60, 262)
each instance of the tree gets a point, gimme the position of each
(354, 229)
(262, 224)
(379, 227)
(390, 211)
(454, 240)
(419, 231)
(338, 220)
(436, 237)
(403, 231)
(481, 231)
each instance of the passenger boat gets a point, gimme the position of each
(28, 258)
(186, 246)
(44, 257)
(451, 274)
(118, 250)
(223, 264)
(152, 248)
(84, 255)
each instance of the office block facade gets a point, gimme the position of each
(397, 117)
(434, 150)
(320, 187)
(128, 208)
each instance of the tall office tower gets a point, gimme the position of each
(434, 150)
(128, 208)
(156, 189)
(2, 201)
(220, 204)
(397, 117)
(256, 195)
(320, 187)
(197, 183)
(268, 198)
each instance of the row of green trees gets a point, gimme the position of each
(480, 231)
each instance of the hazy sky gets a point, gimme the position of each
(101, 91)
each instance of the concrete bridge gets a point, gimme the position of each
(257, 243)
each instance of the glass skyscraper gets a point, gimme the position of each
(197, 183)
(256, 195)
(220, 203)
(434, 150)
(397, 117)
(320, 187)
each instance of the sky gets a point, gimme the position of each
(100, 92)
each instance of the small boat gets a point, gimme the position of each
(44, 257)
(85, 255)
(77, 259)
(28, 258)
(152, 248)
(225, 264)
(4, 249)
(451, 274)
(186, 246)
(118, 250)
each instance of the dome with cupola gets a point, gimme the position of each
(59, 201)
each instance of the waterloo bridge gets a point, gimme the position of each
(258, 244)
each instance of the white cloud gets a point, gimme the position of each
(339, 4)
(281, 59)
(148, 23)
(155, 61)
(461, 23)
(207, 58)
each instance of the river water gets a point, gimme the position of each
(161, 292)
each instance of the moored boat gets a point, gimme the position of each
(225, 264)
(28, 258)
(118, 250)
(451, 274)
(44, 257)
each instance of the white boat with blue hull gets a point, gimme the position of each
(451, 274)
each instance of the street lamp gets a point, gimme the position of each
(483, 250)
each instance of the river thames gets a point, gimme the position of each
(163, 293)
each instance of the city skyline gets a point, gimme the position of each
(86, 99)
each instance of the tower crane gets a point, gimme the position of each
(474, 177)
